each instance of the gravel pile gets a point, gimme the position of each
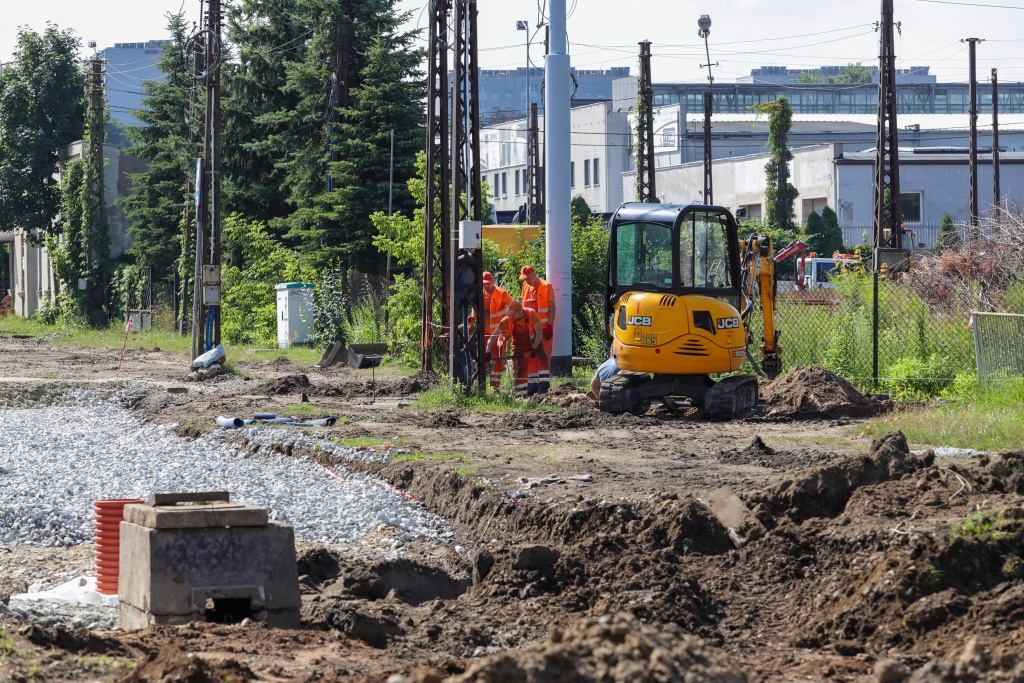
(55, 461)
(51, 614)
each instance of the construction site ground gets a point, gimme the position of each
(590, 547)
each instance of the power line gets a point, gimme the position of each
(970, 4)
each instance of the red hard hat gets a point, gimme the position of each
(526, 272)
(488, 277)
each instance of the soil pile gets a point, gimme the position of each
(399, 388)
(289, 384)
(565, 395)
(609, 649)
(760, 454)
(812, 391)
(174, 662)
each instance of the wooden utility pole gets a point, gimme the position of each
(888, 219)
(997, 195)
(973, 152)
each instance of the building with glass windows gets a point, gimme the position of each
(128, 66)
(916, 92)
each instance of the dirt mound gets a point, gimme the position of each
(174, 662)
(213, 372)
(758, 453)
(289, 384)
(445, 420)
(565, 395)
(608, 649)
(401, 387)
(811, 391)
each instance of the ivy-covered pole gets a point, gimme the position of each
(779, 194)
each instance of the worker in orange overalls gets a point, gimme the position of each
(539, 295)
(496, 300)
(523, 326)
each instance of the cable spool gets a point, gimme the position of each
(109, 514)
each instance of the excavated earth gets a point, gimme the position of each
(592, 547)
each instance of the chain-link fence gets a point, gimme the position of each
(903, 345)
(998, 345)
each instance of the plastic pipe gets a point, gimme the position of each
(230, 422)
(109, 514)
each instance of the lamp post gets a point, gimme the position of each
(704, 30)
(525, 26)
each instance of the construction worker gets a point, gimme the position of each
(523, 326)
(496, 300)
(539, 295)
(605, 371)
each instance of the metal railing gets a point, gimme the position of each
(998, 345)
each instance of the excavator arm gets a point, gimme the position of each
(758, 261)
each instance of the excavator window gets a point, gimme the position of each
(643, 256)
(704, 252)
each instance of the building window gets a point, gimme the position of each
(572, 174)
(597, 171)
(504, 184)
(910, 205)
(586, 172)
(517, 183)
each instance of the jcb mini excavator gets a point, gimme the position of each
(679, 294)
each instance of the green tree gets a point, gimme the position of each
(332, 202)
(41, 112)
(814, 230)
(259, 111)
(948, 237)
(155, 204)
(580, 210)
(780, 195)
(833, 233)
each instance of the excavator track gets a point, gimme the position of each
(617, 398)
(731, 397)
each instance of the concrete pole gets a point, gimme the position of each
(557, 93)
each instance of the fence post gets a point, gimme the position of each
(977, 348)
(874, 330)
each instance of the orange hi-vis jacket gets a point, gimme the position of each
(495, 305)
(521, 331)
(538, 298)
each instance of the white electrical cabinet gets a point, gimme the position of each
(294, 313)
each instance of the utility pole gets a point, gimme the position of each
(466, 363)
(888, 218)
(973, 153)
(94, 163)
(704, 30)
(646, 189)
(534, 196)
(436, 208)
(997, 195)
(206, 324)
(557, 148)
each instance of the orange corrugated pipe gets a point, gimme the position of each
(109, 514)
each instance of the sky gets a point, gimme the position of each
(745, 34)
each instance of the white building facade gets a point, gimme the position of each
(933, 182)
(600, 150)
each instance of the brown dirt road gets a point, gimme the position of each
(654, 548)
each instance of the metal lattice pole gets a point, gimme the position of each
(997, 196)
(437, 209)
(534, 196)
(888, 218)
(646, 190)
(973, 142)
(465, 287)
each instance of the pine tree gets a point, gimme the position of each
(332, 202)
(259, 113)
(815, 231)
(156, 203)
(948, 237)
(833, 234)
(41, 112)
(779, 194)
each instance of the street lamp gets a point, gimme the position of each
(704, 30)
(525, 26)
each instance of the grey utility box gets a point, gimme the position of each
(200, 557)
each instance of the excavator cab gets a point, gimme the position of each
(676, 304)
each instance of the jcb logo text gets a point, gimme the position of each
(728, 323)
(639, 320)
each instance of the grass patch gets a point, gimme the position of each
(419, 456)
(6, 646)
(981, 526)
(103, 338)
(363, 441)
(300, 410)
(449, 397)
(991, 420)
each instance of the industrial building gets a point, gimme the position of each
(128, 65)
(503, 95)
(933, 181)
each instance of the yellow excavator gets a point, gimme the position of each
(679, 293)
